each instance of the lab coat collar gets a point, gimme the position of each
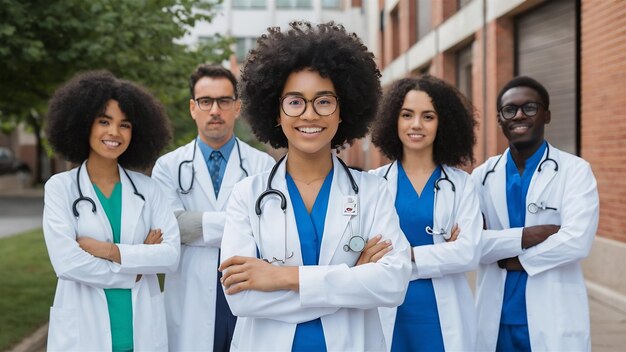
(496, 186)
(232, 175)
(87, 188)
(132, 206)
(202, 177)
(334, 237)
(541, 180)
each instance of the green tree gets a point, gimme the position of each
(45, 42)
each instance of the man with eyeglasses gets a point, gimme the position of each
(540, 208)
(198, 178)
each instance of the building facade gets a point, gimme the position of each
(576, 48)
(245, 20)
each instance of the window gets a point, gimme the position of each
(249, 4)
(461, 3)
(294, 4)
(395, 33)
(464, 71)
(331, 4)
(243, 46)
(209, 40)
(424, 18)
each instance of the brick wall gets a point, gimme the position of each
(603, 107)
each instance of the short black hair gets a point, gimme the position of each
(75, 105)
(327, 49)
(211, 71)
(454, 143)
(525, 81)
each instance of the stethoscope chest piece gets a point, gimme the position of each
(355, 244)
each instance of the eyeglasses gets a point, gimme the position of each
(295, 105)
(223, 103)
(529, 109)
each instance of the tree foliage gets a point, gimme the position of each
(45, 42)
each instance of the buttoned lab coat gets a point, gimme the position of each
(79, 317)
(190, 292)
(446, 262)
(556, 298)
(345, 297)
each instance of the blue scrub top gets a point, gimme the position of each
(514, 305)
(417, 326)
(309, 336)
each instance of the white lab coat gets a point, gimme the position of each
(446, 262)
(343, 296)
(79, 317)
(190, 291)
(556, 299)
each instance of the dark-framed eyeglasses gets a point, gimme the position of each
(295, 105)
(223, 103)
(529, 109)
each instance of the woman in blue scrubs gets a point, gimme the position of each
(298, 276)
(426, 127)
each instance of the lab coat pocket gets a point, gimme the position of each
(572, 311)
(159, 329)
(63, 329)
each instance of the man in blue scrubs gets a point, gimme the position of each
(541, 210)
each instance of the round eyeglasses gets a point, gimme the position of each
(295, 105)
(529, 109)
(223, 103)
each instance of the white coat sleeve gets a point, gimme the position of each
(380, 284)
(459, 256)
(167, 179)
(69, 261)
(238, 240)
(579, 222)
(495, 244)
(501, 244)
(154, 258)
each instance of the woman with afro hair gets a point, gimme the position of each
(426, 127)
(311, 248)
(108, 229)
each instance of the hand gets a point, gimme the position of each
(100, 249)
(155, 236)
(92, 246)
(456, 231)
(247, 273)
(511, 264)
(533, 235)
(374, 250)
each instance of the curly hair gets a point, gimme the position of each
(327, 49)
(75, 105)
(525, 81)
(454, 143)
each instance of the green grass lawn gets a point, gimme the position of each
(27, 289)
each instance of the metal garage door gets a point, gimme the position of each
(546, 51)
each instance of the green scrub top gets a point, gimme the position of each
(119, 300)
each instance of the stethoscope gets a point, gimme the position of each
(443, 231)
(81, 197)
(193, 170)
(356, 243)
(533, 207)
